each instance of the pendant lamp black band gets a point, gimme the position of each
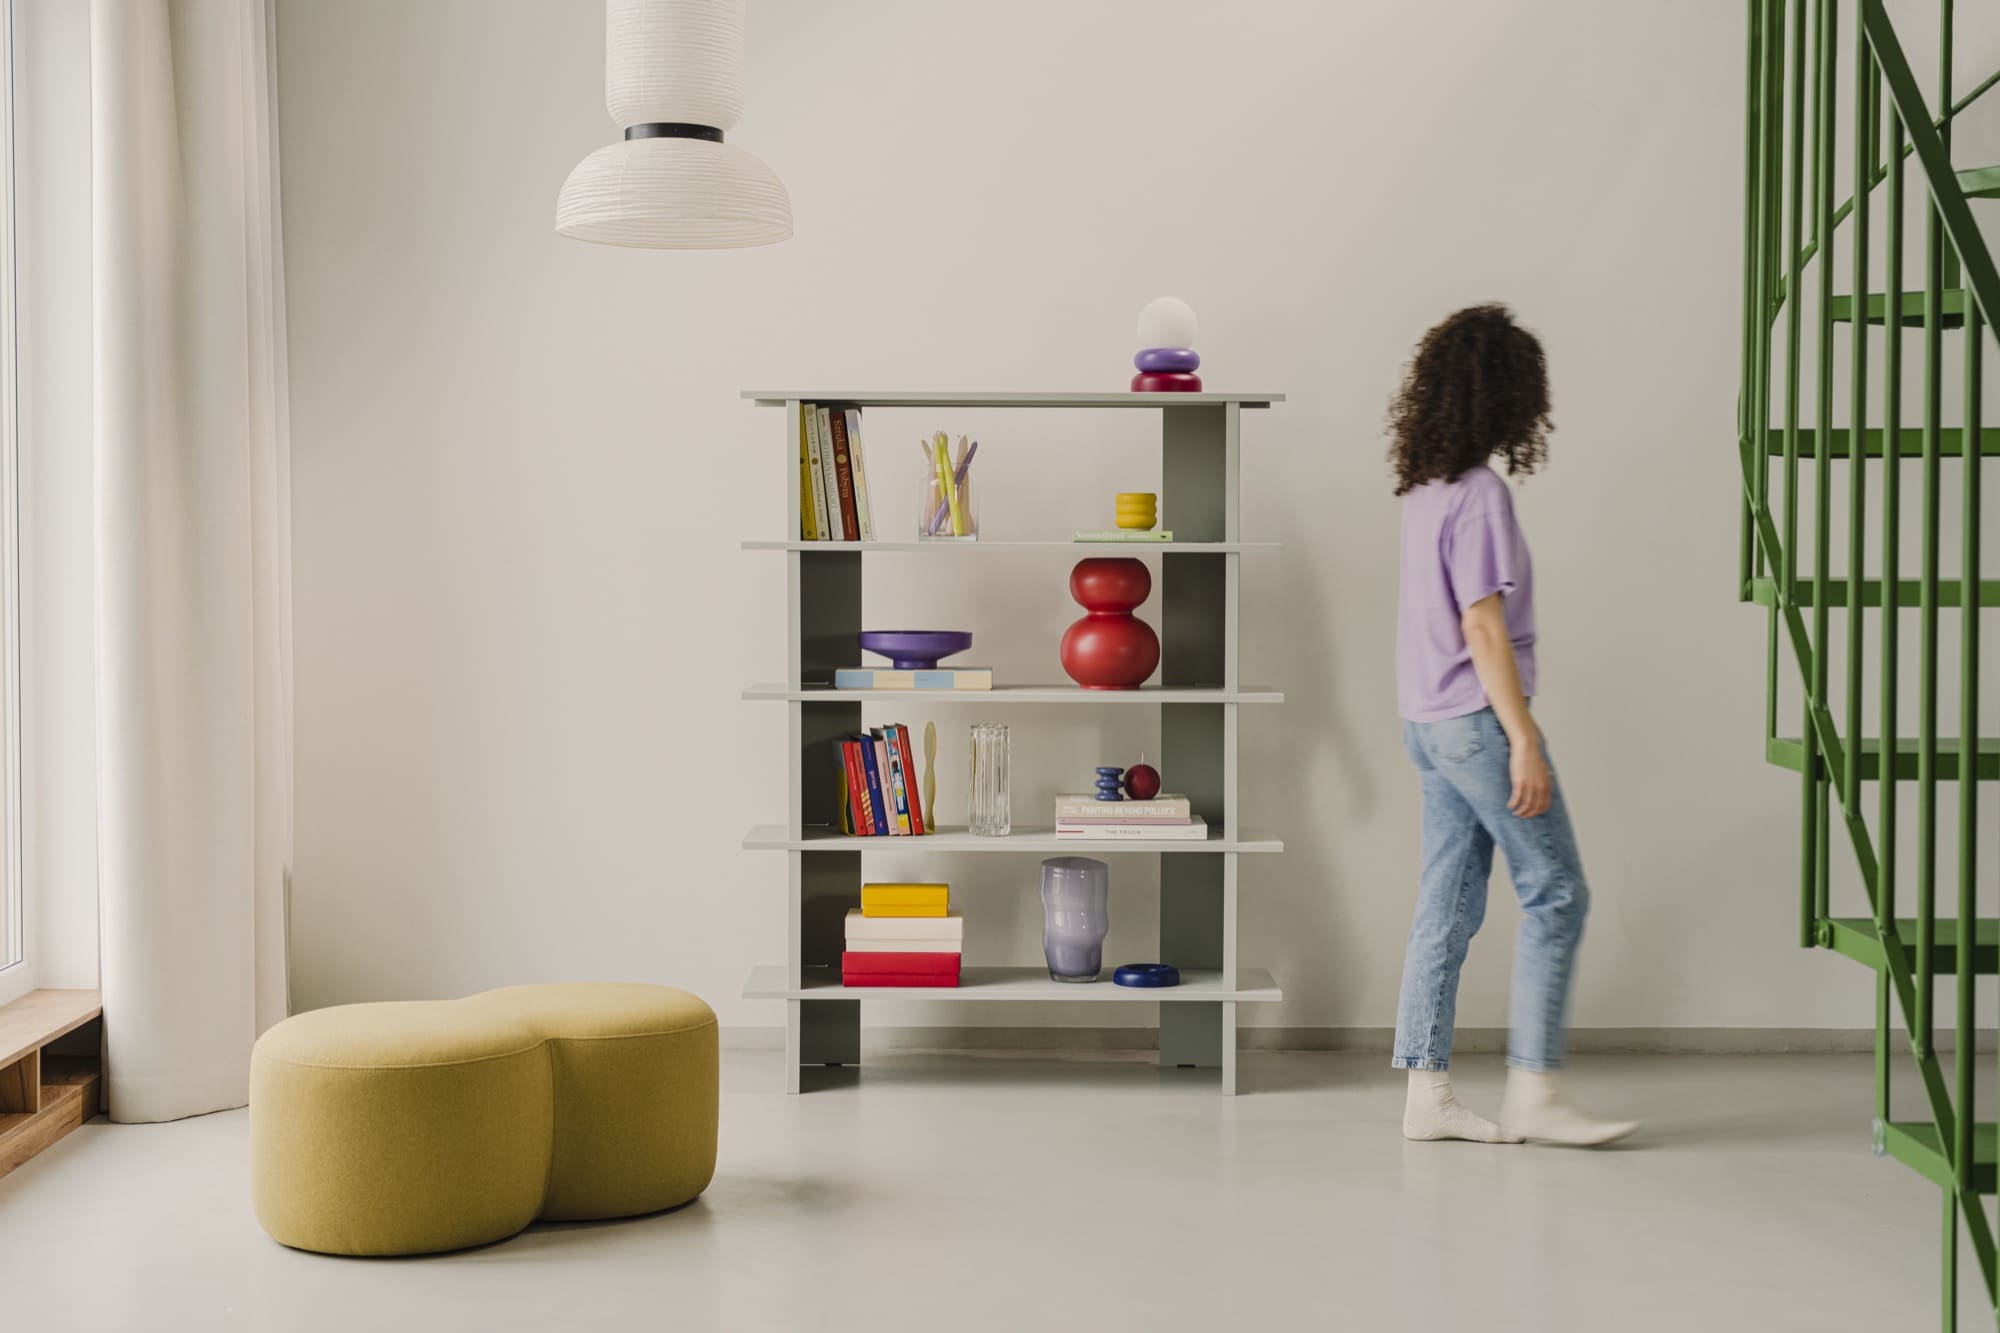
(672, 129)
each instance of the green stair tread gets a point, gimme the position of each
(1951, 304)
(1789, 752)
(1909, 442)
(1855, 937)
(1764, 592)
(1916, 1144)
(1980, 182)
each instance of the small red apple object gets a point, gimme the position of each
(1142, 780)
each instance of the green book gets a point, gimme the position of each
(1124, 535)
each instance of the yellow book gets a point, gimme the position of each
(905, 899)
(808, 514)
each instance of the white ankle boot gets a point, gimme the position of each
(1432, 1112)
(1530, 1110)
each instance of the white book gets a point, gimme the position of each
(830, 476)
(949, 928)
(859, 470)
(1194, 831)
(905, 946)
(813, 451)
(1077, 805)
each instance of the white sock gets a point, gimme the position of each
(1531, 1111)
(1432, 1112)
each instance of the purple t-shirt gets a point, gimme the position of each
(1460, 545)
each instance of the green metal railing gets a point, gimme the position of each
(1793, 85)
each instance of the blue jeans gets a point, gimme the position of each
(1463, 762)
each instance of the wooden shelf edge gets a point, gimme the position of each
(40, 1016)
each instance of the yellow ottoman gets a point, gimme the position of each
(408, 1128)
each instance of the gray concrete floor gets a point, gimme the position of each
(961, 1192)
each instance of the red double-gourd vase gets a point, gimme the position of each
(1110, 648)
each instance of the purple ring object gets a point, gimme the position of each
(1167, 361)
(915, 649)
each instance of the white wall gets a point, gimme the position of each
(522, 469)
(58, 762)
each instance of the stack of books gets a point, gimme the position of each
(833, 477)
(903, 935)
(896, 678)
(878, 784)
(1165, 816)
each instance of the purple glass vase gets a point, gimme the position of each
(1076, 914)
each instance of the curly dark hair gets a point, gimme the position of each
(1476, 388)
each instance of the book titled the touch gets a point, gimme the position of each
(940, 678)
(1193, 830)
(1124, 535)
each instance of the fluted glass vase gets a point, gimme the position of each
(989, 810)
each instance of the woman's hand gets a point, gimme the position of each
(1532, 783)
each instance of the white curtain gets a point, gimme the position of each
(192, 550)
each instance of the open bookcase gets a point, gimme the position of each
(1198, 692)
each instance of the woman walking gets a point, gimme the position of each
(1477, 390)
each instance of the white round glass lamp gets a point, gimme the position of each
(674, 81)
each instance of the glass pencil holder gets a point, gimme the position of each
(989, 811)
(937, 521)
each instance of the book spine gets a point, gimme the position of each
(1121, 812)
(816, 456)
(857, 787)
(877, 819)
(823, 430)
(860, 466)
(843, 470)
(844, 806)
(889, 821)
(808, 520)
(1158, 832)
(898, 780)
(909, 761)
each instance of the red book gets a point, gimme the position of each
(843, 470)
(857, 789)
(865, 964)
(912, 979)
(902, 734)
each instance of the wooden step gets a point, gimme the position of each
(50, 1069)
(1909, 442)
(1952, 304)
(1789, 752)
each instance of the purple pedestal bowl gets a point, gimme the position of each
(915, 649)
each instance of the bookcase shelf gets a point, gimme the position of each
(1021, 694)
(1197, 693)
(956, 838)
(1008, 398)
(1253, 986)
(1077, 549)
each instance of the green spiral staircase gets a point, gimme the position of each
(1844, 155)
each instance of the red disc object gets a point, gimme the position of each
(1166, 382)
(1143, 781)
(1110, 648)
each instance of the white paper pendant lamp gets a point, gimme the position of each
(674, 82)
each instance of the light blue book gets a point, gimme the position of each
(941, 678)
